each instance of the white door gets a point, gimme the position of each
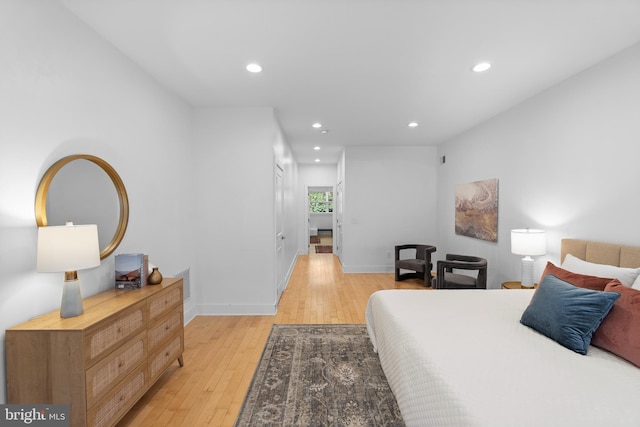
(308, 213)
(279, 202)
(338, 214)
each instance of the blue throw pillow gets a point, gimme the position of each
(566, 313)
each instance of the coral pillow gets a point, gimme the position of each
(619, 332)
(580, 280)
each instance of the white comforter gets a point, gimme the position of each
(462, 358)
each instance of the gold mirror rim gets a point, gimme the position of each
(43, 191)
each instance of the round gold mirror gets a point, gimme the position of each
(86, 190)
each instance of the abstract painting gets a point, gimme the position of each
(477, 210)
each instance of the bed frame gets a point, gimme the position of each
(601, 253)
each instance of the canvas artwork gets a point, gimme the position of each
(477, 210)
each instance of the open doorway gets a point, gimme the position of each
(320, 219)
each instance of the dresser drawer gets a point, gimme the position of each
(162, 358)
(111, 408)
(161, 304)
(98, 362)
(112, 332)
(102, 376)
(167, 327)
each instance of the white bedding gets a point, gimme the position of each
(462, 358)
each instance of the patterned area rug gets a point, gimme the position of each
(324, 249)
(319, 375)
(314, 240)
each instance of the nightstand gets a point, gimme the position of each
(516, 285)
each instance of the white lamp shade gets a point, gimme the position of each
(67, 248)
(528, 242)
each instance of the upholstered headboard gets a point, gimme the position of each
(601, 253)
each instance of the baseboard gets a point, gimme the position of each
(190, 312)
(236, 310)
(367, 268)
(288, 275)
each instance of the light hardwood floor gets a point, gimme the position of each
(222, 352)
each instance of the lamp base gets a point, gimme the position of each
(71, 305)
(527, 272)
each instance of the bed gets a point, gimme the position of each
(462, 357)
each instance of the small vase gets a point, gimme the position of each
(155, 278)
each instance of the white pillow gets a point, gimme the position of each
(627, 276)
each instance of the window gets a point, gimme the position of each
(320, 201)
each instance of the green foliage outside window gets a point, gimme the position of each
(320, 201)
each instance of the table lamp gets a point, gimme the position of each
(528, 242)
(68, 248)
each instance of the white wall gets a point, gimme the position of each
(389, 199)
(321, 221)
(235, 209)
(65, 91)
(566, 160)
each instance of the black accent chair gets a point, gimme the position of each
(420, 265)
(447, 279)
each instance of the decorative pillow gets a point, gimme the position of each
(626, 275)
(619, 332)
(581, 280)
(566, 313)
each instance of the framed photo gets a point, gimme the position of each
(477, 210)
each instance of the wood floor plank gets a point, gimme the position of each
(222, 352)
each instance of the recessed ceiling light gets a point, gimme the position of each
(316, 148)
(324, 131)
(482, 66)
(254, 68)
(317, 160)
(413, 124)
(317, 125)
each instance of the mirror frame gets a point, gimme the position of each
(43, 192)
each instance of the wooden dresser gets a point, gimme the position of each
(103, 361)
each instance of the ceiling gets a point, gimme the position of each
(364, 69)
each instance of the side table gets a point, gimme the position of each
(516, 285)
